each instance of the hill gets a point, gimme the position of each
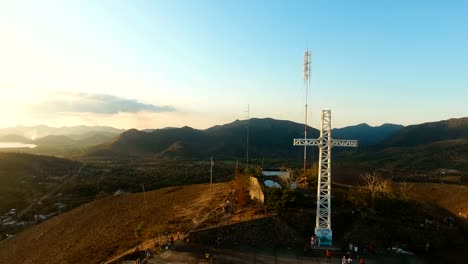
(108, 227)
(58, 145)
(26, 177)
(73, 141)
(269, 138)
(34, 132)
(54, 141)
(441, 161)
(367, 135)
(453, 198)
(14, 138)
(96, 231)
(455, 128)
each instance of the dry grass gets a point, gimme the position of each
(448, 196)
(96, 231)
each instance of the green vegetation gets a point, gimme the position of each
(139, 230)
(278, 199)
(105, 178)
(24, 178)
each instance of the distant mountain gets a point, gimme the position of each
(95, 138)
(268, 138)
(33, 132)
(93, 133)
(419, 152)
(73, 141)
(14, 138)
(54, 141)
(367, 135)
(455, 128)
(153, 129)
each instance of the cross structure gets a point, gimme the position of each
(325, 142)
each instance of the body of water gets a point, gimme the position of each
(16, 145)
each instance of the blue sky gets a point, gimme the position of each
(199, 63)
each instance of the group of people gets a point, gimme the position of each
(352, 250)
(348, 259)
(170, 240)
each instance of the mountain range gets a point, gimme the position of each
(34, 132)
(455, 128)
(269, 138)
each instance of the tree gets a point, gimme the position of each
(241, 183)
(278, 198)
(404, 189)
(376, 185)
(139, 230)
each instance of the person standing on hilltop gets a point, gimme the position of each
(313, 242)
(328, 253)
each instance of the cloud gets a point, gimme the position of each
(95, 103)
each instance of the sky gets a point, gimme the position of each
(153, 64)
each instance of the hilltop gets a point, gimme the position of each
(104, 228)
(269, 137)
(33, 132)
(366, 135)
(455, 128)
(109, 227)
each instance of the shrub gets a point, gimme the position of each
(139, 230)
(241, 185)
(277, 199)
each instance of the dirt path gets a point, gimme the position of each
(247, 256)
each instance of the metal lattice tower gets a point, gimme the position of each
(307, 55)
(325, 142)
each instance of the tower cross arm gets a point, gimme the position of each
(344, 143)
(306, 142)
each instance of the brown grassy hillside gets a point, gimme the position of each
(448, 196)
(95, 231)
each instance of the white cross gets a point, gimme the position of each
(325, 143)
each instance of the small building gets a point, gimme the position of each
(276, 178)
(275, 173)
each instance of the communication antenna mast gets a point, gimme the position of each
(248, 128)
(307, 55)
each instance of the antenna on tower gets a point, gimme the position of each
(248, 128)
(307, 55)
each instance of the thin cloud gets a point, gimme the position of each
(95, 103)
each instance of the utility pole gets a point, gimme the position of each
(159, 238)
(144, 194)
(248, 128)
(211, 176)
